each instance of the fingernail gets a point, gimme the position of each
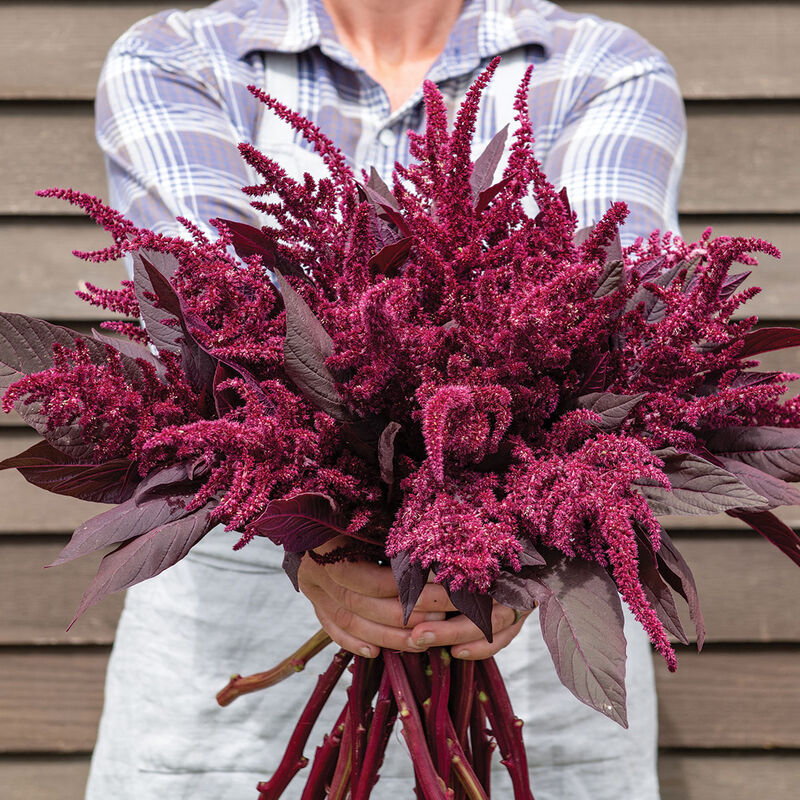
(462, 654)
(426, 638)
(434, 616)
(366, 652)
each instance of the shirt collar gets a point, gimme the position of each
(484, 28)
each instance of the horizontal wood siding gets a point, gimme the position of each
(722, 698)
(735, 162)
(684, 776)
(718, 49)
(729, 716)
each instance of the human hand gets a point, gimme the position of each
(465, 639)
(357, 604)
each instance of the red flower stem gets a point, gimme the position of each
(507, 728)
(340, 783)
(440, 722)
(293, 759)
(432, 786)
(360, 701)
(482, 745)
(462, 767)
(296, 662)
(379, 732)
(420, 683)
(461, 700)
(319, 777)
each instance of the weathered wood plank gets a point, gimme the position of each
(736, 159)
(42, 275)
(28, 509)
(46, 275)
(75, 36)
(744, 172)
(730, 697)
(52, 698)
(38, 603)
(778, 278)
(729, 776)
(722, 698)
(683, 776)
(43, 777)
(748, 589)
(717, 49)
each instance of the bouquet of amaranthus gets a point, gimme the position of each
(446, 383)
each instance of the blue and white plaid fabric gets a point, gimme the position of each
(172, 105)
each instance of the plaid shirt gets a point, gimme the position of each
(172, 105)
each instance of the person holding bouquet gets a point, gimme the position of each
(172, 107)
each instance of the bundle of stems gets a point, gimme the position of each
(453, 713)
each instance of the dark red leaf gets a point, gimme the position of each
(612, 408)
(50, 469)
(164, 336)
(475, 607)
(248, 241)
(675, 571)
(389, 259)
(514, 590)
(698, 487)
(775, 491)
(487, 195)
(773, 450)
(773, 530)
(595, 379)
(145, 556)
(653, 267)
(765, 340)
(225, 399)
(410, 578)
(130, 349)
(658, 593)
(581, 619)
(26, 346)
(198, 365)
(305, 349)
(732, 283)
(613, 250)
(300, 523)
(486, 163)
(386, 451)
(530, 556)
(291, 566)
(613, 278)
(160, 498)
(379, 191)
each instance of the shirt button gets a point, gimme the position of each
(387, 137)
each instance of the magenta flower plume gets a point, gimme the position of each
(424, 373)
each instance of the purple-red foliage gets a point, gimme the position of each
(442, 372)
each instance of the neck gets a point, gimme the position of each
(396, 43)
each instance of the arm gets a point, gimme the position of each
(625, 141)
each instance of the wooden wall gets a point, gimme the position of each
(729, 717)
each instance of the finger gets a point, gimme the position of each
(343, 638)
(480, 648)
(364, 578)
(383, 610)
(459, 629)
